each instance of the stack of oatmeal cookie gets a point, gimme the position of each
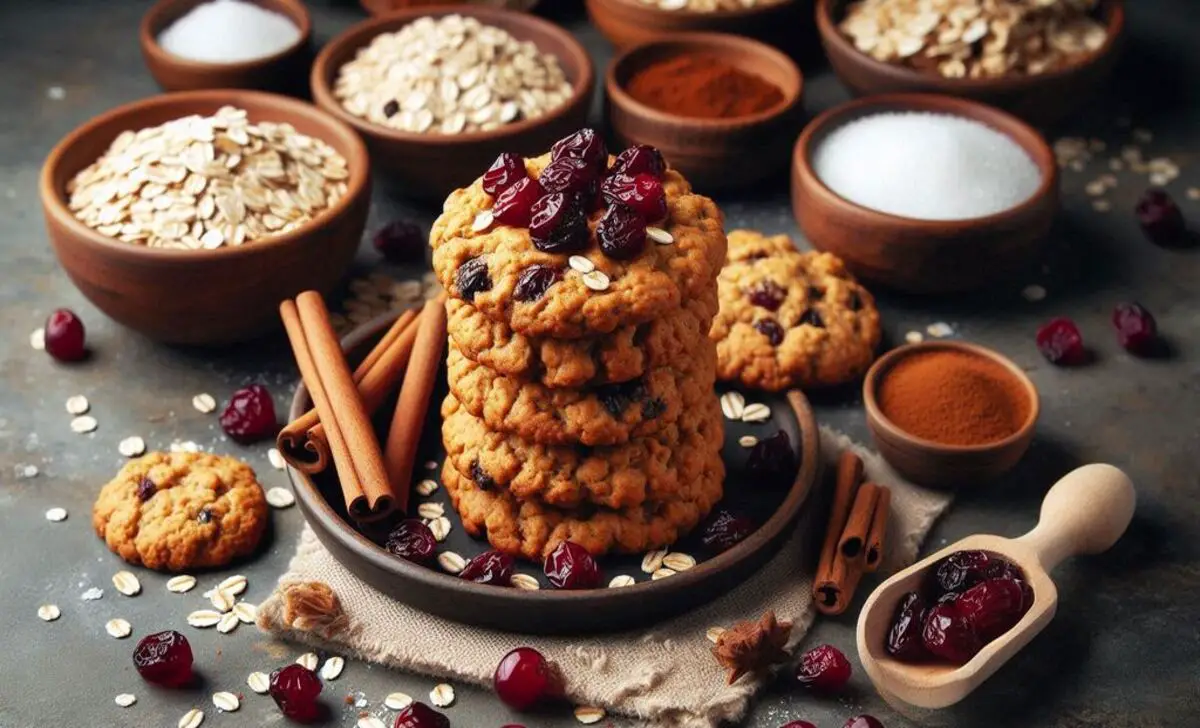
(581, 406)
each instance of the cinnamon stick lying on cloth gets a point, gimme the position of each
(852, 545)
(876, 537)
(833, 575)
(352, 442)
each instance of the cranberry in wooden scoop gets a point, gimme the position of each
(64, 336)
(295, 689)
(164, 658)
(525, 678)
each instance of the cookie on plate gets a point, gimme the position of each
(181, 511)
(790, 319)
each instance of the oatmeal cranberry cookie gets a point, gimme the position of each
(627, 353)
(655, 468)
(609, 414)
(791, 319)
(532, 530)
(180, 511)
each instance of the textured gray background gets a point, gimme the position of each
(1123, 651)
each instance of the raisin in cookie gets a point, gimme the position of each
(790, 319)
(180, 511)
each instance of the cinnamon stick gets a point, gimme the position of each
(352, 442)
(303, 442)
(877, 535)
(833, 575)
(404, 435)
(853, 542)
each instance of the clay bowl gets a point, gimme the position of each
(207, 297)
(283, 71)
(430, 166)
(627, 23)
(383, 7)
(1041, 100)
(923, 256)
(934, 464)
(711, 153)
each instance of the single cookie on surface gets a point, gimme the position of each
(180, 511)
(790, 319)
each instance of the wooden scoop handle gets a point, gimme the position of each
(1084, 513)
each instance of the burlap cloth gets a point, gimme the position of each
(664, 675)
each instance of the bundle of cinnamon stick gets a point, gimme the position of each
(375, 479)
(854, 538)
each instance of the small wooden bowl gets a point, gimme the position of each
(1041, 100)
(711, 153)
(207, 297)
(283, 71)
(430, 166)
(923, 256)
(932, 463)
(627, 23)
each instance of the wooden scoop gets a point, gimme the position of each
(1084, 513)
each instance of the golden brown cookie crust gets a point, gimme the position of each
(167, 531)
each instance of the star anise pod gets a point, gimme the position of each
(752, 647)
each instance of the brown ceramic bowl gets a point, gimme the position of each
(711, 153)
(430, 166)
(923, 256)
(383, 7)
(631, 22)
(934, 464)
(207, 297)
(282, 71)
(1042, 100)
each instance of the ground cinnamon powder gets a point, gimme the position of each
(953, 398)
(702, 87)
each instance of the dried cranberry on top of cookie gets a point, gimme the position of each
(578, 242)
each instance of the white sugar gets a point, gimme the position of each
(228, 31)
(926, 166)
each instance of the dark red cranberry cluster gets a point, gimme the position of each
(412, 540)
(1061, 342)
(295, 690)
(571, 566)
(967, 600)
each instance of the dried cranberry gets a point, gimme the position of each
(204, 516)
(1003, 569)
(146, 489)
(570, 566)
(726, 530)
(622, 234)
(481, 478)
(504, 173)
(616, 397)
(642, 192)
(490, 567)
(164, 658)
(948, 635)
(411, 539)
(585, 145)
(1137, 331)
(798, 724)
(1060, 342)
(420, 715)
(640, 159)
(295, 689)
(824, 669)
(472, 278)
(958, 572)
(771, 329)
(773, 460)
(391, 108)
(401, 241)
(534, 281)
(250, 415)
(558, 224)
(64, 337)
(515, 205)
(525, 678)
(863, 721)
(992, 607)
(904, 641)
(1160, 217)
(767, 294)
(567, 174)
(812, 317)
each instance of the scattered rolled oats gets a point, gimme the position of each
(202, 618)
(431, 465)
(431, 510)
(48, 612)
(37, 339)
(588, 715)
(756, 412)
(308, 660)
(276, 459)
(397, 701)
(77, 404)
(451, 562)
(1033, 292)
(939, 330)
(192, 719)
(83, 424)
(246, 612)
(653, 560)
(525, 581)
(204, 403)
(226, 701)
(124, 700)
(747, 440)
(581, 264)
(259, 682)
(280, 497)
(132, 446)
(733, 404)
(427, 487)
(662, 573)
(621, 580)
(56, 514)
(482, 221)
(221, 600)
(596, 280)
(713, 633)
(332, 668)
(182, 583)
(442, 695)
(660, 236)
(126, 583)
(914, 337)
(370, 721)
(677, 561)
(440, 528)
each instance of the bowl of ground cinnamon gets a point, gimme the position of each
(949, 413)
(722, 109)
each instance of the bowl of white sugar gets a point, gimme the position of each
(924, 193)
(251, 44)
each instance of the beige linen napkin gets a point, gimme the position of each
(665, 675)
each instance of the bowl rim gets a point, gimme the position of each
(718, 43)
(152, 24)
(372, 26)
(54, 200)
(1112, 11)
(996, 119)
(642, 9)
(885, 363)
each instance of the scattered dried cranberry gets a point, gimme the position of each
(1137, 331)
(640, 159)
(812, 317)
(948, 635)
(411, 539)
(773, 460)
(824, 669)
(958, 572)
(1060, 342)
(1160, 218)
(616, 397)
(420, 715)
(490, 567)
(558, 224)
(64, 337)
(250, 415)
(567, 174)
(585, 145)
(642, 192)
(726, 530)
(992, 607)
(295, 689)
(481, 478)
(798, 724)
(904, 641)
(571, 566)
(767, 294)
(771, 329)
(401, 241)
(391, 108)
(504, 173)
(472, 278)
(146, 489)
(621, 232)
(515, 205)
(164, 658)
(525, 678)
(534, 281)
(863, 721)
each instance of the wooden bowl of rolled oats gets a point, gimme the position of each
(190, 216)
(438, 93)
(631, 22)
(1037, 59)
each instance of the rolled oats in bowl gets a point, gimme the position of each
(207, 182)
(708, 6)
(448, 76)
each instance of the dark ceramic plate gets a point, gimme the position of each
(548, 611)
